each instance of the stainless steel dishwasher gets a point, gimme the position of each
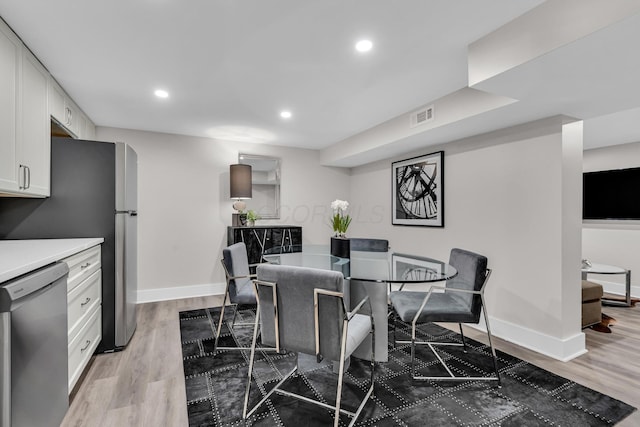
(33, 348)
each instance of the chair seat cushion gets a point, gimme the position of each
(359, 327)
(245, 292)
(441, 307)
(591, 291)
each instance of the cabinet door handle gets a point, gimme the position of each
(85, 302)
(86, 346)
(83, 266)
(22, 177)
(28, 177)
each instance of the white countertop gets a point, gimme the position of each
(18, 257)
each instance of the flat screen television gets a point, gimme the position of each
(611, 194)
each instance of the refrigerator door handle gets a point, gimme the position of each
(131, 212)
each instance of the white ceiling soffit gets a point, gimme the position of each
(612, 129)
(586, 69)
(592, 76)
(541, 30)
(400, 134)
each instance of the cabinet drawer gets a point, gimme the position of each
(82, 265)
(82, 301)
(83, 345)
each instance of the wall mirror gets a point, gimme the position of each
(265, 180)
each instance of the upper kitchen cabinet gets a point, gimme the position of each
(35, 132)
(9, 74)
(64, 111)
(24, 120)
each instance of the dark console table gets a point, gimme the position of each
(261, 238)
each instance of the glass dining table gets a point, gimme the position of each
(368, 273)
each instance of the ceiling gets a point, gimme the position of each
(230, 67)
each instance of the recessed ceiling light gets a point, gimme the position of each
(161, 93)
(364, 46)
(285, 114)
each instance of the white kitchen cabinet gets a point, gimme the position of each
(72, 116)
(10, 48)
(81, 125)
(80, 122)
(83, 345)
(64, 111)
(24, 120)
(81, 266)
(84, 310)
(34, 134)
(89, 130)
(56, 101)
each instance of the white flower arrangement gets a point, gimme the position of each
(340, 220)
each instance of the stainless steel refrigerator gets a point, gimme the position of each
(93, 194)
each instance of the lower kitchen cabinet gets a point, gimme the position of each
(84, 310)
(82, 346)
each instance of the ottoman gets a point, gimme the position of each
(591, 303)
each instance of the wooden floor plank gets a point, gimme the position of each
(144, 384)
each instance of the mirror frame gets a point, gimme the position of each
(244, 158)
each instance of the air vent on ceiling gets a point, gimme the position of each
(421, 116)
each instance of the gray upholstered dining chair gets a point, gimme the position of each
(302, 309)
(460, 301)
(239, 288)
(378, 293)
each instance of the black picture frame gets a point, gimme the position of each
(418, 191)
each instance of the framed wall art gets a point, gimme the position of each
(418, 191)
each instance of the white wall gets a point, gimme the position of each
(503, 198)
(184, 206)
(613, 242)
(503, 195)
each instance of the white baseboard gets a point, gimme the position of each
(563, 349)
(560, 349)
(190, 291)
(617, 288)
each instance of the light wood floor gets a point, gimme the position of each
(144, 384)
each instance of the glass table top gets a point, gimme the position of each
(390, 267)
(602, 268)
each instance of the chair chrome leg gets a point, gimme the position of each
(464, 343)
(493, 350)
(413, 350)
(218, 331)
(343, 347)
(373, 351)
(235, 313)
(394, 320)
(251, 360)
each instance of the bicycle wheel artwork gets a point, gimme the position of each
(418, 191)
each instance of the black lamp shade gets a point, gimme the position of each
(240, 180)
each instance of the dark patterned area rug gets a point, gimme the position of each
(529, 396)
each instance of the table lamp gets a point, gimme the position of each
(240, 189)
